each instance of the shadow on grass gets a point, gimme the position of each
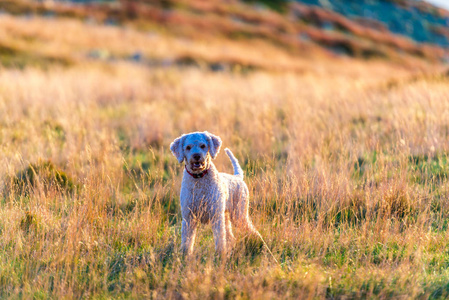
(44, 176)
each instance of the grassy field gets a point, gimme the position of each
(346, 161)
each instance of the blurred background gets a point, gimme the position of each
(404, 31)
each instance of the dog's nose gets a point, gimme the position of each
(196, 156)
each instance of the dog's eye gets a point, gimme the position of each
(188, 148)
(203, 146)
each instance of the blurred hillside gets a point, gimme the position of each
(399, 31)
(418, 20)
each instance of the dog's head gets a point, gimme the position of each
(197, 149)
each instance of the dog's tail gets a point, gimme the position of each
(235, 163)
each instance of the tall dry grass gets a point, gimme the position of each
(346, 164)
(348, 181)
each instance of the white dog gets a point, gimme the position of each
(208, 195)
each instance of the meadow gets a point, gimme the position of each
(346, 162)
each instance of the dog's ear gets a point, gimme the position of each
(214, 144)
(176, 148)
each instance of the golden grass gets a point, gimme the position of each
(346, 163)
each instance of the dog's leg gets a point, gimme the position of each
(241, 213)
(219, 230)
(188, 233)
(229, 236)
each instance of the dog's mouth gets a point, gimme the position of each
(197, 165)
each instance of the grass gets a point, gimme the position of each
(345, 160)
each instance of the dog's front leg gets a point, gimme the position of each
(188, 232)
(219, 230)
(230, 239)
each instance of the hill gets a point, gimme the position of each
(369, 29)
(417, 20)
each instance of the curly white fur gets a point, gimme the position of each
(219, 198)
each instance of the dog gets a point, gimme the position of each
(208, 196)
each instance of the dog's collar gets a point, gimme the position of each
(199, 175)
